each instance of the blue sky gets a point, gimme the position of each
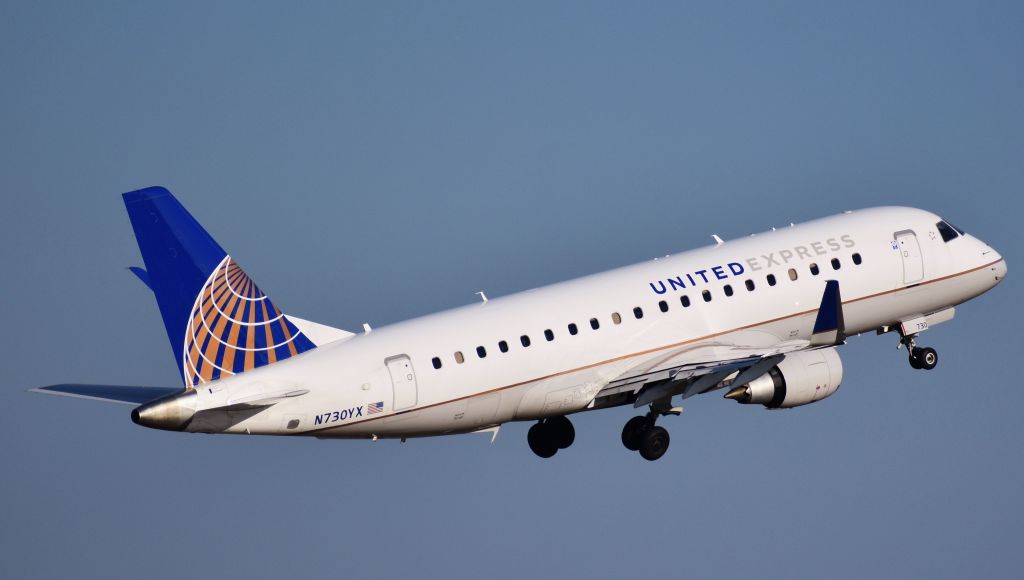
(374, 162)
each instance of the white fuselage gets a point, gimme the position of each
(384, 383)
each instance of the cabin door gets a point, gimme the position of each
(910, 252)
(403, 381)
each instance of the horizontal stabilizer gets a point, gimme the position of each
(109, 393)
(319, 334)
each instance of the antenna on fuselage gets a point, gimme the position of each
(482, 296)
(718, 241)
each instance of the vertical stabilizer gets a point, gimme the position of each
(218, 321)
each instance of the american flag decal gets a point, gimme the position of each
(374, 408)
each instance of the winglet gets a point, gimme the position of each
(829, 327)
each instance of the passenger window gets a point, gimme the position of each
(771, 279)
(663, 306)
(502, 346)
(728, 290)
(814, 270)
(616, 319)
(638, 313)
(549, 335)
(436, 362)
(707, 295)
(459, 358)
(481, 352)
(524, 340)
(573, 330)
(835, 263)
(594, 323)
(750, 285)
(857, 260)
(685, 301)
(792, 274)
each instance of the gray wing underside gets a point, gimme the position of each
(126, 395)
(742, 357)
(696, 371)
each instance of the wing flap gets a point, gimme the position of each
(126, 395)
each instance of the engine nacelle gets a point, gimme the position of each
(801, 378)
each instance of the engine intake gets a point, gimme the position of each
(800, 379)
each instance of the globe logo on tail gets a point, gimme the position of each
(234, 327)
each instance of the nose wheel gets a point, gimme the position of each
(920, 358)
(924, 358)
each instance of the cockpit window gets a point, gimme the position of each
(947, 231)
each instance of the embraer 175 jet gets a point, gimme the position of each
(758, 318)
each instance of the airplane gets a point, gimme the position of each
(759, 319)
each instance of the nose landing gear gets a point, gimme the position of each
(924, 358)
(920, 358)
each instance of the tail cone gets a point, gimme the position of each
(172, 413)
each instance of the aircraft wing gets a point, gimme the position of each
(686, 372)
(697, 368)
(109, 393)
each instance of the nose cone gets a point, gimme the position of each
(996, 263)
(999, 269)
(172, 413)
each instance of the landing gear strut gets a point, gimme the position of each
(641, 434)
(920, 358)
(549, 435)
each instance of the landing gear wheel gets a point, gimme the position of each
(633, 431)
(654, 443)
(928, 358)
(915, 359)
(541, 441)
(561, 430)
(924, 358)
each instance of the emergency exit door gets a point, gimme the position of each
(910, 252)
(403, 381)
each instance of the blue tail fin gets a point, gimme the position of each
(218, 321)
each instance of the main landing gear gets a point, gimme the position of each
(641, 434)
(920, 358)
(549, 435)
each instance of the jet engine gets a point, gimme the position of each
(801, 378)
